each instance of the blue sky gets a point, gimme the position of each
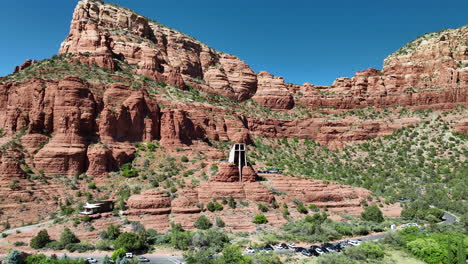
(301, 40)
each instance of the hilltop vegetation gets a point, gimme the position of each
(425, 162)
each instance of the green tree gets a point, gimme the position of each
(129, 241)
(181, 239)
(68, 237)
(41, 240)
(111, 233)
(203, 223)
(372, 213)
(260, 219)
(107, 260)
(13, 257)
(427, 249)
(232, 254)
(119, 253)
(198, 257)
(365, 252)
(461, 255)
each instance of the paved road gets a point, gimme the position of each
(449, 219)
(27, 228)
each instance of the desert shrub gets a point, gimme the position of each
(181, 239)
(372, 213)
(302, 209)
(314, 208)
(80, 247)
(218, 206)
(203, 223)
(213, 240)
(184, 159)
(41, 240)
(111, 233)
(128, 171)
(263, 207)
(211, 207)
(220, 223)
(260, 219)
(232, 202)
(266, 258)
(129, 241)
(103, 245)
(335, 258)
(68, 237)
(366, 251)
(233, 254)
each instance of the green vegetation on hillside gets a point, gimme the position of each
(420, 162)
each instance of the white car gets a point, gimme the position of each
(319, 251)
(129, 255)
(291, 245)
(91, 260)
(279, 246)
(250, 250)
(354, 242)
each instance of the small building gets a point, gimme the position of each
(98, 207)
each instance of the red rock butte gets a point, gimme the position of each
(69, 125)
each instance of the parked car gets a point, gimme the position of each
(306, 252)
(284, 246)
(250, 250)
(291, 245)
(298, 249)
(129, 255)
(354, 242)
(143, 259)
(268, 247)
(342, 245)
(91, 260)
(317, 249)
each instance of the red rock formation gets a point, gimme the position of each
(101, 32)
(249, 174)
(227, 172)
(98, 160)
(242, 136)
(25, 65)
(149, 202)
(74, 114)
(272, 92)
(428, 71)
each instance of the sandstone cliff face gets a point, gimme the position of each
(272, 92)
(103, 32)
(70, 126)
(428, 71)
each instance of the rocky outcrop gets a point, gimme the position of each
(23, 66)
(149, 202)
(272, 92)
(429, 71)
(227, 172)
(99, 162)
(74, 114)
(249, 174)
(101, 32)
